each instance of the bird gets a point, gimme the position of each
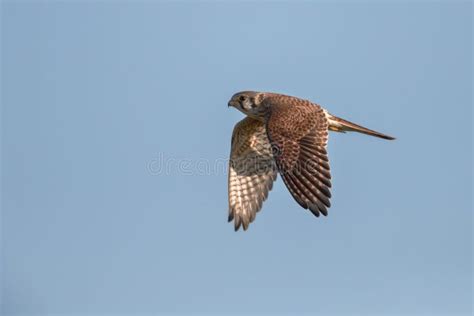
(286, 135)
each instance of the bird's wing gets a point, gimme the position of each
(298, 132)
(252, 171)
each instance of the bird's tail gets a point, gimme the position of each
(340, 125)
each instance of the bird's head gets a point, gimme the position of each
(249, 103)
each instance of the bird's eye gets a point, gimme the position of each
(242, 98)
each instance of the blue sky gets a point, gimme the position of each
(95, 95)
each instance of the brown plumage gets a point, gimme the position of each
(251, 171)
(287, 134)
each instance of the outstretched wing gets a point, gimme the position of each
(252, 171)
(298, 132)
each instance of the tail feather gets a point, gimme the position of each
(340, 125)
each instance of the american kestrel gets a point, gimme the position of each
(282, 134)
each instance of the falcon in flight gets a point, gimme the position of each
(282, 134)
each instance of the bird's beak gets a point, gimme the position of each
(231, 103)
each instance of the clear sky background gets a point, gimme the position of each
(96, 95)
